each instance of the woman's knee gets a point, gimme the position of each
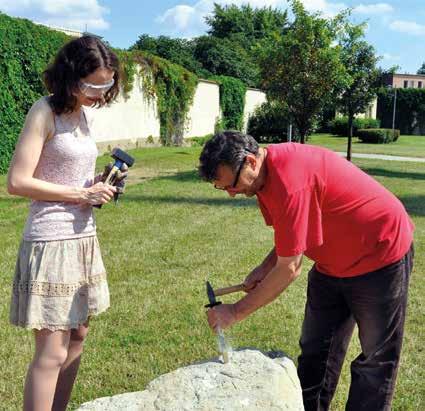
(52, 358)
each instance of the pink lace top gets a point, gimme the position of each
(67, 158)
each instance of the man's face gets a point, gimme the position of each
(240, 181)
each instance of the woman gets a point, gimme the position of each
(60, 280)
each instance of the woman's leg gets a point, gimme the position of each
(69, 369)
(51, 350)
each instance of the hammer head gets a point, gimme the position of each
(211, 296)
(121, 155)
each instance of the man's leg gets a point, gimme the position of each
(326, 333)
(378, 301)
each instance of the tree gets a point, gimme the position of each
(245, 23)
(422, 69)
(302, 67)
(221, 56)
(362, 75)
(178, 51)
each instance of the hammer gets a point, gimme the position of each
(229, 290)
(121, 158)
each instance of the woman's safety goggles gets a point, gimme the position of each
(95, 90)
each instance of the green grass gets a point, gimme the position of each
(168, 234)
(409, 146)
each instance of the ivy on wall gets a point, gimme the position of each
(173, 85)
(232, 101)
(25, 51)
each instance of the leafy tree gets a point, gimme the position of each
(362, 75)
(422, 69)
(302, 67)
(245, 23)
(178, 51)
(220, 56)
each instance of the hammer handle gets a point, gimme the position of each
(229, 290)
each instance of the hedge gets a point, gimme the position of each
(378, 135)
(339, 125)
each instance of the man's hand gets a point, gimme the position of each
(223, 316)
(253, 278)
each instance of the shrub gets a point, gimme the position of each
(339, 125)
(269, 123)
(199, 141)
(378, 135)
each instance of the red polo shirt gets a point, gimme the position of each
(325, 207)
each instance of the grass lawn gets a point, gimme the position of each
(167, 235)
(409, 146)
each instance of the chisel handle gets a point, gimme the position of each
(229, 290)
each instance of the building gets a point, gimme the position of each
(404, 80)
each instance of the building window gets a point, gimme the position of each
(406, 84)
(412, 83)
(419, 84)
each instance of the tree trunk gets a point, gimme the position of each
(350, 136)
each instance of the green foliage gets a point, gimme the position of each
(221, 56)
(178, 51)
(359, 60)
(173, 85)
(410, 109)
(339, 125)
(245, 23)
(269, 123)
(232, 101)
(25, 51)
(228, 49)
(303, 68)
(378, 135)
(199, 141)
(422, 69)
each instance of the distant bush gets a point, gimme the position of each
(269, 123)
(339, 125)
(378, 135)
(199, 141)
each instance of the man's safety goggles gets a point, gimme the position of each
(95, 90)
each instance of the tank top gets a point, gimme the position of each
(68, 158)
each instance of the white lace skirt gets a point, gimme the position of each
(58, 285)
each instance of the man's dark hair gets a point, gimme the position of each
(74, 61)
(226, 148)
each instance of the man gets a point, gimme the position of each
(360, 238)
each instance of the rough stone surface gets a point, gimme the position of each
(251, 381)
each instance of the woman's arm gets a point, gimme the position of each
(39, 125)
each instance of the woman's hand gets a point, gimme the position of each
(98, 193)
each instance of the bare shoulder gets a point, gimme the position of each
(41, 116)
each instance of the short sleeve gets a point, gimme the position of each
(297, 223)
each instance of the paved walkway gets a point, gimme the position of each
(384, 157)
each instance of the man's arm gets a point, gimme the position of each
(286, 270)
(259, 272)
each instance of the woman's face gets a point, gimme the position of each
(92, 88)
